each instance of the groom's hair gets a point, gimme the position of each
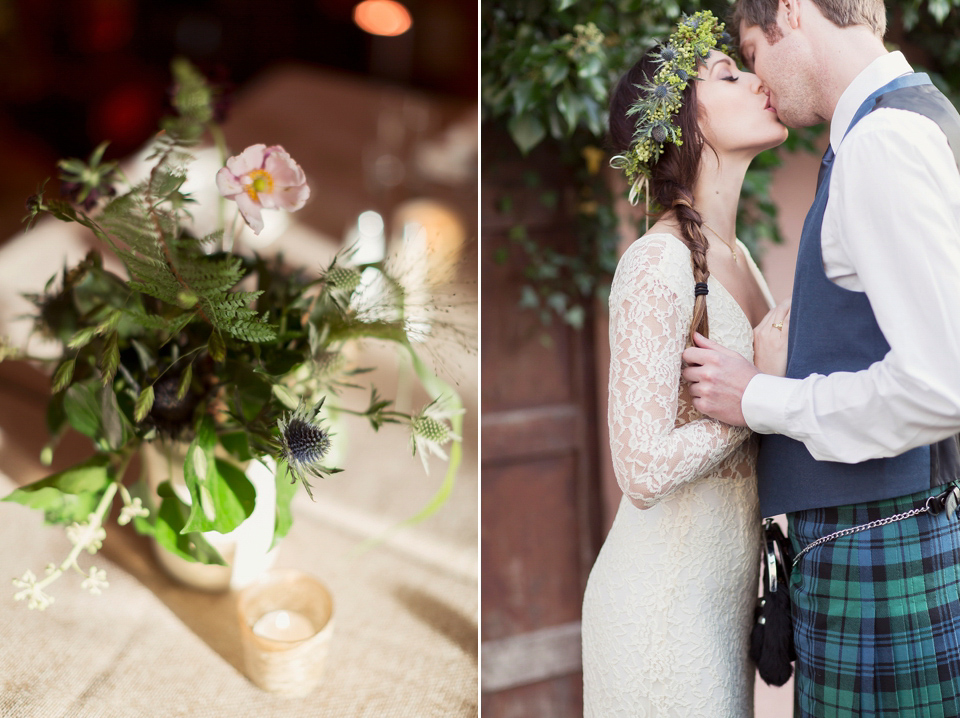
(842, 13)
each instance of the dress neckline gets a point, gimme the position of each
(712, 280)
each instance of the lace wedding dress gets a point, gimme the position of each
(669, 603)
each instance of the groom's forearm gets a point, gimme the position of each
(852, 416)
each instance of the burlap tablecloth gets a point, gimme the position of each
(405, 641)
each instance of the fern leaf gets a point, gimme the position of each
(161, 293)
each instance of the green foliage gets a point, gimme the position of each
(286, 490)
(70, 495)
(173, 350)
(547, 68)
(168, 528)
(928, 31)
(222, 496)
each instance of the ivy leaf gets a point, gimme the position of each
(569, 105)
(169, 533)
(593, 65)
(82, 408)
(521, 96)
(69, 495)
(526, 131)
(144, 404)
(237, 445)
(575, 316)
(64, 375)
(939, 9)
(529, 298)
(116, 426)
(222, 496)
(556, 71)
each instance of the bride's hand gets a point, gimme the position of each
(770, 340)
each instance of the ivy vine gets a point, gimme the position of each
(547, 68)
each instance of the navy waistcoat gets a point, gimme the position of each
(834, 329)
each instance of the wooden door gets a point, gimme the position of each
(540, 507)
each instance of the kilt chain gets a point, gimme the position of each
(933, 504)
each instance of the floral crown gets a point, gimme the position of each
(660, 100)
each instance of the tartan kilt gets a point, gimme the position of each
(877, 613)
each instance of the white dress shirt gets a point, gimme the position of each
(891, 228)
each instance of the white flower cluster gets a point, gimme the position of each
(131, 511)
(31, 592)
(96, 581)
(88, 535)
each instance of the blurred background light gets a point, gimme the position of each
(382, 17)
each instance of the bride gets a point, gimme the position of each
(669, 603)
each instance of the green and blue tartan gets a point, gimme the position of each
(877, 613)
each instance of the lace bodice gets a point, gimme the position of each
(669, 603)
(658, 440)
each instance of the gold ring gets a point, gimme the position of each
(778, 326)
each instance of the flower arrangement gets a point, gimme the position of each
(229, 354)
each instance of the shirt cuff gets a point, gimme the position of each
(764, 403)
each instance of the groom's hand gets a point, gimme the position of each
(718, 378)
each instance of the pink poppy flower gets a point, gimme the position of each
(263, 177)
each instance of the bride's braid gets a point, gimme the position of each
(691, 225)
(674, 175)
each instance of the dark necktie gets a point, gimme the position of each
(825, 164)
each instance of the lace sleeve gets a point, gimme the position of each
(649, 323)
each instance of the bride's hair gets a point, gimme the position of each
(673, 176)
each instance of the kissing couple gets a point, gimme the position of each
(839, 408)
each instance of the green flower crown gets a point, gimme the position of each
(661, 99)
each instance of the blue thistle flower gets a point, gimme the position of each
(303, 444)
(659, 133)
(682, 74)
(668, 53)
(692, 22)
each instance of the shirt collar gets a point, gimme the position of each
(874, 76)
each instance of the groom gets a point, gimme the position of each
(863, 426)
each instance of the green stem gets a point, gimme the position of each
(398, 414)
(180, 358)
(221, 142)
(233, 234)
(96, 522)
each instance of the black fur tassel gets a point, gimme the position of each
(771, 642)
